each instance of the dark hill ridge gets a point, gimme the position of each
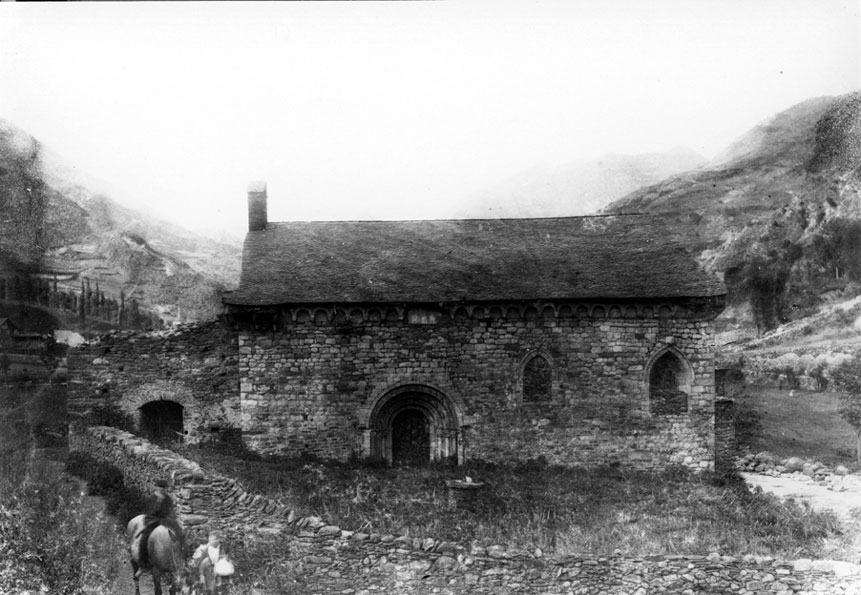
(779, 212)
(76, 238)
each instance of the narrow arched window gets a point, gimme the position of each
(537, 379)
(667, 385)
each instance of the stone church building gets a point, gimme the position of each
(583, 340)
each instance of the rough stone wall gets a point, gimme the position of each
(310, 384)
(329, 559)
(195, 365)
(725, 443)
(204, 501)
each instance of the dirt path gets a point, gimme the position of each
(819, 497)
(846, 505)
(120, 580)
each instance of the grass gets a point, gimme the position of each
(52, 537)
(561, 511)
(796, 423)
(60, 541)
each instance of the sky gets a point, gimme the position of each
(397, 110)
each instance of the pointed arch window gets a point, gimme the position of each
(669, 385)
(537, 379)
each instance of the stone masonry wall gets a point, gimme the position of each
(195, 365)
(204, 501)
(725, 442)
(311, 384)
(328, 559)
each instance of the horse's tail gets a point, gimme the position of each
(165, 548)
(149, 525)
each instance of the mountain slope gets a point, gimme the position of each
(578, 187)
(779, 212)
(76, 239)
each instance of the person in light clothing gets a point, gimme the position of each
(212, 562)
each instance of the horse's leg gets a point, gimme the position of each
(156, 580)
(135, 576)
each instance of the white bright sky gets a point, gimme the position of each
(396, 110)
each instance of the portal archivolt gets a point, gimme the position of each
(414, 425)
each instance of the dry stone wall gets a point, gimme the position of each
(194, 365)
(725, 443)
(328, 559)
(310, 384)
(204, 501)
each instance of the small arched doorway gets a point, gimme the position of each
(414, 425)
(162, 420)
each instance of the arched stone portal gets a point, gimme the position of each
(162, 420)
(415, 425)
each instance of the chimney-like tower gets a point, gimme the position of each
(257, 217)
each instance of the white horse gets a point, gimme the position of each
(155, 547)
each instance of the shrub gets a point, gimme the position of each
(847, 378)
(58, 544)
(105, 480)
(110, 415)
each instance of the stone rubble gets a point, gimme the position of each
(836, 478)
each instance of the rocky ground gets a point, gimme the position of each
(814, 484)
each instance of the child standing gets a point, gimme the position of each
(212, 563)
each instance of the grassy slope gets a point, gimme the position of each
(797, 423)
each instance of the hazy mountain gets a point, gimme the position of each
(779, 212)
(59, 226)
(578, 187)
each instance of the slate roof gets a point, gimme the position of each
(466, 260)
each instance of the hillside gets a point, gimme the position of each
(578, 187)
(779, 213)
(73, 241)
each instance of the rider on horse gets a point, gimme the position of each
(161, 512)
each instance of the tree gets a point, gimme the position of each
(4, 366)
(837, 246)
(122, 311)
(846, 378)
(82, 303)
(763, 281)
